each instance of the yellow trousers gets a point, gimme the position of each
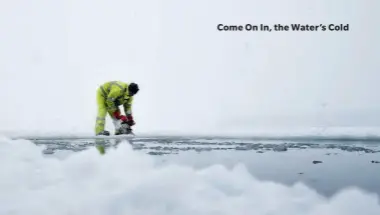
(102, 112)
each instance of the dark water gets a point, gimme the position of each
(325, 165)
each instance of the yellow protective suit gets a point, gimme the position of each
(109, 97)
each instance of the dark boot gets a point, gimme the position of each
(104, 133)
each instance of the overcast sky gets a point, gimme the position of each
(55, 54)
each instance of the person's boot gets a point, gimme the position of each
(104, 133)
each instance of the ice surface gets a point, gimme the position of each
(124, 181)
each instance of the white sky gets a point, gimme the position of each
(54, 54)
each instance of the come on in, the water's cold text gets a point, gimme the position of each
(280, 27)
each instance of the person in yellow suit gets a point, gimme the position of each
(109, 97)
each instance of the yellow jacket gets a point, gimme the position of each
(116, 94)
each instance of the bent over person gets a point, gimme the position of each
(109, 97)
